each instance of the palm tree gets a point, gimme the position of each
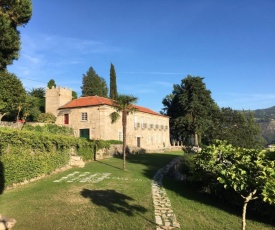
(124, 105)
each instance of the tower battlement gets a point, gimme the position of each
(56, 97)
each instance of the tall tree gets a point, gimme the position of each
(51, 83)
(124, 105)
(113, 85)
(92, 84)
(13, 13)
(12, 95)
(190, 107)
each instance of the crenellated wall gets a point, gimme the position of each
(56, 97)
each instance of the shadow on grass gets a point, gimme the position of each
(187, 190)
(113, 201)
(191, 192)
(104, 163)
(153, 161)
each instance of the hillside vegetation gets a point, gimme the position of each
(266, 119)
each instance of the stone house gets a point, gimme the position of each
(89, 117)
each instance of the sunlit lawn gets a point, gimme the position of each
(123, 200)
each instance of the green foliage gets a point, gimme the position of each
(246, 171)
(12, 95)
(190, 107)
(46, 118)
(51, 84)
(242, 169)
(13, 13)
(74, 95)
(93, 84)
(50, 129)
(39, 93)
(238, 128)
(26, 166)
(28, 154)
(187, 166)
(30, 109)
(113, 85)
(194, 115)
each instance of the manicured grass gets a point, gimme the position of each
(123, 200)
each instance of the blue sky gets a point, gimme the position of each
(154, 44)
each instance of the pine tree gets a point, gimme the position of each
(113, 85)
(92, 84)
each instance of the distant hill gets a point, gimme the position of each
(265, 114)
(266, 120)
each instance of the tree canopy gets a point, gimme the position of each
(93, 84)
(113, 85)
(195, 115)
(238, 128)
(12, 95)
(190, 107)
(51, 83)
(246, 171)
(13, 13)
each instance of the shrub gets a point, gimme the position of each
(46, 118)
(26, 154)
(50, 129)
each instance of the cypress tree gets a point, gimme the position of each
(113, 86)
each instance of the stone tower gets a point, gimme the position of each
(56, 97)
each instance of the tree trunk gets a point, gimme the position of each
(246, 200)
(244, 215)
(2, 115)
(196, 142)
(124, 124)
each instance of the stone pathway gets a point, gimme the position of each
(164, 215)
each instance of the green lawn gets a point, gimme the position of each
(83, 199)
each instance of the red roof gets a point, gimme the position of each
(96, 100)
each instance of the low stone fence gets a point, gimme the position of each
(15, 125)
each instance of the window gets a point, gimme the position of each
(135, 121)
(120, 135)
(84, 116)
(66, 119)
(142, 122)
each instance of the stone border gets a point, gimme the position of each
(164, 216)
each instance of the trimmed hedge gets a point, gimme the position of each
(25, 155)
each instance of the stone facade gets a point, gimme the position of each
(145, 128)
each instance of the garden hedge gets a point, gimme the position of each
(25, 154)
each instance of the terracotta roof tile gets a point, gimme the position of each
(96, 100)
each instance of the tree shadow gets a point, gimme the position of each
(113, 201)
(191, 191)
(153, 162)
(104, 163)
(2, 178)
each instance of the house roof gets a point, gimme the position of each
(96, 100)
